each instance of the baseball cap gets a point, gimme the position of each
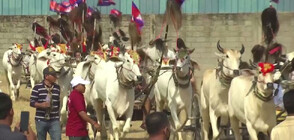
(78, 80)
(49, 71)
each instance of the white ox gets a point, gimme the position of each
(38, 62)
(113, 84)
(11, 61)
(250, 101)
(173, 89)
(214, 90)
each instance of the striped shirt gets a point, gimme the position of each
(39, 94)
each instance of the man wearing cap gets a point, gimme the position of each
(76, 127)
(45, 98)
(284, 130)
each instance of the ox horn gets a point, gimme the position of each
(252, 64)
(219, 47)
(242, 49)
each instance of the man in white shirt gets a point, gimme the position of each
(284, 131)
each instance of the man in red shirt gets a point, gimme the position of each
(76, 127)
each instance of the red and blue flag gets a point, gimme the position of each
(105, 2)
(137, 18)
(115, 12)
(76, 2)
(90, 11)
(63, 7)
(66, 6)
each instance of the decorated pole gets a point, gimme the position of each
(155, 77)
(92, 45)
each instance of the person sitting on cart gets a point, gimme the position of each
(284, 130)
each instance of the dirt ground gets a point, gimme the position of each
(22, 104)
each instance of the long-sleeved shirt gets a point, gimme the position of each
(39, 94)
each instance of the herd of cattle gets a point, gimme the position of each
(233, 92)
(229, 91)
(113, 75)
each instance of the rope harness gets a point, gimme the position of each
(259, 94)
(176, 78)
(122, 80)
(224, 79)
(15, 62)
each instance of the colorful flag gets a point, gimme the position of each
(90, 11)
(53, 5)
(66, 6)
(137, 18)
(105, 2)
(115, 12)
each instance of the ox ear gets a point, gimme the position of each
(195, 64)
(191, 51)
(115, 35)
(175, 51)
(115, 59)
(85, 67)
(11, 47)
(220, 55)
(90, 58)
